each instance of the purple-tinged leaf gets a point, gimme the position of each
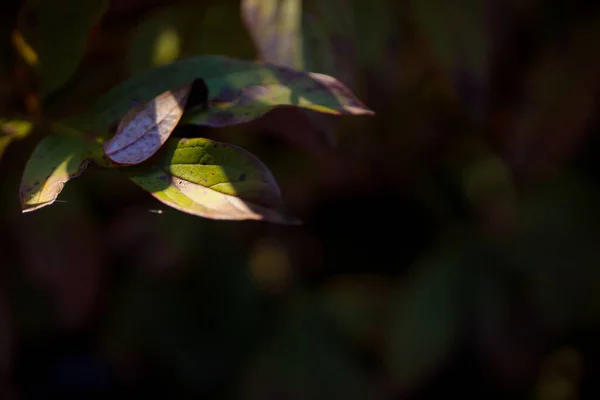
(145, 128)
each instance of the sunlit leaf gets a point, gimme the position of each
(227, 80)
(12, 130)
(56, 159)
(213, 180)
(145, 128)
(53, 37)
(312, 91)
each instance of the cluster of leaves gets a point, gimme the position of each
(195, 175)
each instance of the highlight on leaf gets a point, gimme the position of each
(145, 128)
(56, 159)
(316, 92)
(213, 180)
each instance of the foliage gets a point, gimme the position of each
(448, 242)
(233, 92)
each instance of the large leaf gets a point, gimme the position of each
(227, 80)
(12, 130)
(312, 91)
(213, 180)
(147, 127)
(55, 160)
(52, 37)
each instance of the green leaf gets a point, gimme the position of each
(213, 180)
(53, 36)
(147, 127)
(228, 80)
(55, 160)
(312, 91)
(12, 130)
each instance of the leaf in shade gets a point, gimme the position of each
(308, 90)
(12, 130)
(145, 128)
(425, 319)
(55, 160)
(213, 180)
(225, 79)
(276, 28)
(52, 37)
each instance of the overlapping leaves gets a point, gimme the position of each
(197, 176)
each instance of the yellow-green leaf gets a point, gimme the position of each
(312, 91)
(55, 160)
(212, 180)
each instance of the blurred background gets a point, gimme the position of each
(450, 244)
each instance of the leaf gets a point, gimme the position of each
(144, 129)
(213, 180)
(12, 130)
(55, 160)
(226, 79)
(53, 36)
(309, 90)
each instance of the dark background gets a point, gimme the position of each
(450, 244)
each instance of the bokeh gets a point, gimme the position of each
(450, 245)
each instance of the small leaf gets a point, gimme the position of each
(144, 129)
(52, 37)
(213, 180)
(226, 78)
(55, 160)
(12, 130)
